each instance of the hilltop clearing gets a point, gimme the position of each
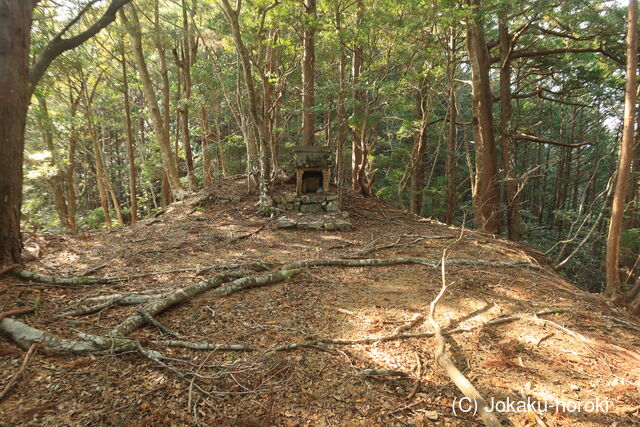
(329, 344)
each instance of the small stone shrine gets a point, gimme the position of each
(314, 202)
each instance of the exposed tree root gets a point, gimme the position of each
(152, 320)
(207, 346)
(69, 281)
(118, 299)
(85, 281)
(157, 306)
(245, 235)
(375, 262)
(24, 336)
(381, 373)
(344, 262)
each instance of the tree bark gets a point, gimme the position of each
(71, 164)
(258, 124)
(614, 286)
(161, 132)
(17, 83)
(206, 155)
(487, 200)
(452, 135)
(506, 133)
(97, 156)
(416, 185)
(308, 71)
(359, 132)
(185, 65)
(56, 180)
(342, 115)
(133, 192)
(15, 27)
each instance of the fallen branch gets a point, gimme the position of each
(17, 375)
(244, 236)
(16, 312)
(381, 373)
(445, 362)
(370, 248)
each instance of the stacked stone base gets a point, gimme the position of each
(315, 222)
(311, 212)
(308, 203)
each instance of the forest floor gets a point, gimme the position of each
(586, 351)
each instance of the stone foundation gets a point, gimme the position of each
(328, 222)
(307, 203)
(311, 212)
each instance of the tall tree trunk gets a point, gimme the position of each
(452, 134)
(359, 132)
(162, 133)
(186, 63)
(342, 115)
(308, 71)
(97, 156)
(56, 180)
(71, 166)
(133, 192)
(614, 285)
(15, 22)
(416, 183)
(487, 200)
(506, 140)
(206, 151)
(258, 124)
(220, 148)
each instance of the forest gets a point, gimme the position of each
(437, 199)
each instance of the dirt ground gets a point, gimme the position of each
(588, 351)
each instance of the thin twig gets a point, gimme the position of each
(17, 375)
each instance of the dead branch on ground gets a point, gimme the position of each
(17, 375)
(370, 248)
(445, 362)
(245, 235)
(16, 312)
